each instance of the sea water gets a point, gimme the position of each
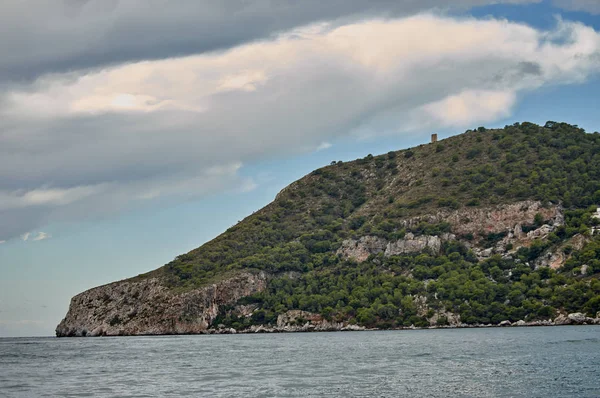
(496, 362)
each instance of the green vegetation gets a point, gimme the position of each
(302, 229)
(381, 293)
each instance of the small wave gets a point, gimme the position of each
(16, 386)
(11, 355)
(27, 343)
(576, 341)
(422, 354)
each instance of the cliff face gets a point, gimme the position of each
(505, 219)
(495, 219)
(360, 249)
(147, 307)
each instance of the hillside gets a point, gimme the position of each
(484, 227)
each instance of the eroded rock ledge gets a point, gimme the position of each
(476, 222)
(147, 307)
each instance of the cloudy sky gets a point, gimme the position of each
(135, 130)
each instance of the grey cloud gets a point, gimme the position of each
(590, 6)
(519, 72)
(66, 165)
(17, 222)
(530, 68)
(42, 36)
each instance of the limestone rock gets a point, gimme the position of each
(146, 307)
(303, 321)
(556, 258)
(552, 259)
(578, 318)
(474, 221)
(245, 310)
(361, 249)
(485, 253)
(518, 232)
(412, 244)
(578, 241)
(505, 323)
(293, 316)
(452, 318)
(547, 322)
(354, 328)
(501, 218)
(541, 232)
(562, 320)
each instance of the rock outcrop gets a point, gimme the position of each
(494, 219)
(359, 250)
(557, 256)
(362, 248)
(576, 318)
(296, 321)
(147, 307)
(476, 223)
(415, 244)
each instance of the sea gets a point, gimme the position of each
(562, 361)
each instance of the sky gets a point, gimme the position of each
(132, 131)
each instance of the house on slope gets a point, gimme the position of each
(596, 215)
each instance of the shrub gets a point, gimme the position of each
(448, 202)
(474, 202)
(473, 153)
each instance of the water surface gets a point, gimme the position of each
(499, 362)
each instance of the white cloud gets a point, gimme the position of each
(244, 81)
(45, 196)
(470, 106)
(323, 146)
(74, 145)
(361, 55)
(37, 237)
(2, 242)
(42, 236)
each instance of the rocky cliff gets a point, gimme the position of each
(468, 227)
(147, 307)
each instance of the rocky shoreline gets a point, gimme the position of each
(562, 320)
(573, 319)
(145, 308)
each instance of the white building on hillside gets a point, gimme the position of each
(596, 229)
